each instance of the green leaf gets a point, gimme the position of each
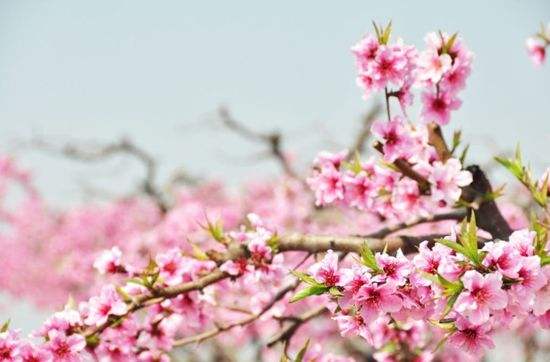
(273, 243)
(92, 340)
(335, 292)
(5, 326)
(368, 258)
(309, 291)
(377, 31)
(464, 153)
(386, 34)
(457, 137)
(450, 303)
(304, 277)
(450, 43)
(452, 245)
(545, 260)
(541, 235)
(302, 352)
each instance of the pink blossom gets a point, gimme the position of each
(352, 279)
(359, 190)
(171, 266)
(432, 66)
(31, 353)
(328, 186)
(531, 278)
(389, 66)
(480, 296)
(109, 261)
(472, 338)
(502, 257)
(377, 299)
(326, 271)
(236, 267)
(394, 137)
(352, 325)
(9, 346)
(537, 50)
(107, 303)
(396, 269)
(365, 51)
(522, 241)
(65, 348)
(541, 304)
(454, 79)
(447, 179)
(437, 107)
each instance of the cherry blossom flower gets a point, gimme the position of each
(537, 50)
(437, 107)
(107, 303)
(432, 66)
(481, 295)
(171, 266)
(326, 271)
(109, 261)
(395, 138)
(396, 269)
(472, 338)
(65, 348)
(446, 180)
(9, 346)
(376, 299)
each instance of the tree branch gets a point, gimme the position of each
(295, 322)
(273, 140)
(98, 153)
(488, 216)
(219, 329)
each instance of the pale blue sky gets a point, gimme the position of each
(157, 70)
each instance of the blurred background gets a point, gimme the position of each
(157, 72)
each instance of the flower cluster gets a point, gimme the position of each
(382, 65)
(375, 187)
(440, 71)
(450, 290)
(537, 44)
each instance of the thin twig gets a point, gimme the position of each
(273, 140)
(97, 153)
(295, 322)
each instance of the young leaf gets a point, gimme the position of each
(452, 245)
(302, 352)
(368, 258)
(304, 277)
(309, 291)
(5, 326)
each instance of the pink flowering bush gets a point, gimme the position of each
(403, 255)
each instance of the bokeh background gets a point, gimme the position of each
(157, 71)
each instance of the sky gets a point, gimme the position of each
(79, 71)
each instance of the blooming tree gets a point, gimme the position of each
(404, 255)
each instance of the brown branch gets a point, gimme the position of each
(295, 322)
(273, 140)
(219, 329)
(350, 244)
(294, 242)
(406, 169)
(96, 153)
(456, 215)
(488, 216)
